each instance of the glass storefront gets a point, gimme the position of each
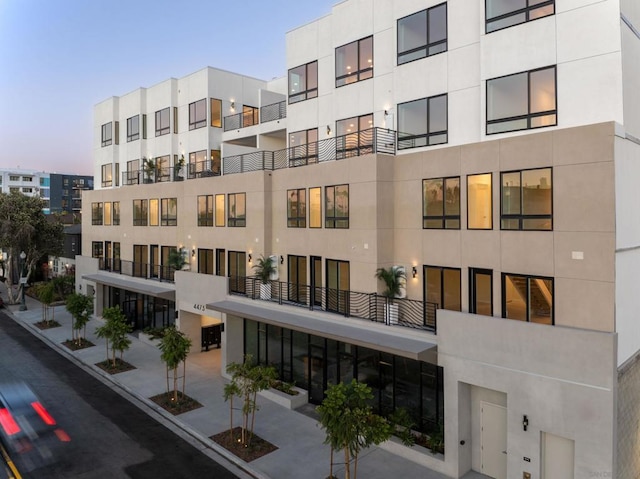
(141, 310)
(313, 363)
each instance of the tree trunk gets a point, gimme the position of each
(175, 384)
(355, 466)
(331, 465)
(231, 419)
(347, 465)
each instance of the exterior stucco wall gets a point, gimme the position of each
(628, 443)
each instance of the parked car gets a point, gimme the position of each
(27, 429)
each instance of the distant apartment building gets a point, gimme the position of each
(492, 151)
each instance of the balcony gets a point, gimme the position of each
(137, 270)
(405, 312)
(159, 175)
(374, 140)
(251, 116)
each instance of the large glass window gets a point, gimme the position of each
(107, 175)
(107, 134)
(442, 287)
(237, 210)
(354, 61)
(481, 291)
(527, 298)
(205, 210)
(527, 200)
(479, 202)
(205, 261)
(303, 147)
(163, 168)
(441, 203)
(501, 14)
(315, 207)
(169, 212)
(422, 34)
(216, 113)
(522, 101)
(422, 122)
(96, 213)
(133, 128)
(140, 212)
(154, 212)
(336, 206)
(237, 271)
(97, 249)
(198, 114)
(338, 277)
(220, 210)
(354, 136)
(163, 122)
(107, 213)
(303, 82)
(220, 262)
(297, 208)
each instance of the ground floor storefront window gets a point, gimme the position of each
(313, 363)
(141, 310)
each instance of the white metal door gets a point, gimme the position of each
(557, 457)
(493, 440)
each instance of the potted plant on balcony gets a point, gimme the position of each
(394, 279)
(178, 172)
(265, 268)
(149, 168)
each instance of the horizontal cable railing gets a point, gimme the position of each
(137, 270)
(371, 306)
(275, 111)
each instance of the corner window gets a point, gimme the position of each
(216, 113)
(354, 136)
(441, 203)
(526, 200)
(96, 214)
(107, 134)
(169, 212)
(107, 175)
(297, 208)
(140, 212)
(237, 210)
(501, 14)
(422, 34)
(527, 298)
(205, 210)
(479, 202)
(336, 206)
(354, 62)
(163, 122)
(422, 122)
(198, 114)
(303, 82)
(522, 101)
(133, 128)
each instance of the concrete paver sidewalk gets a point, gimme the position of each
(299, 438)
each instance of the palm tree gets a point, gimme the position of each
(394, 279)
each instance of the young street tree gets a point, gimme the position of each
(114, 331)
(174, 347)
(24, 227)
(81, 307)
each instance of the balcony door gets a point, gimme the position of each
(237, 271)
(107, 255)
(481, 291)
(155, 261)
(337, 286)
(316, 281)
(297, 274)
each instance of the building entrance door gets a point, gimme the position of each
(557, 457)
(493, 440)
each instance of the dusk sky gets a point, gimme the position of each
(58, 58)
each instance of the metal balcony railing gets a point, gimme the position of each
(137, 270)
(374, 140)
(249, 117)
(275, 111)
(371, 306)
(158, 175)
(202, 169)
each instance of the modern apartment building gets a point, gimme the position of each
(489, 149)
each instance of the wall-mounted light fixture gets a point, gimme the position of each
(525, 422)
(328, 130)
(249, 257)
(414, 271)
(386, 113)
(233, 104)
(193, 253)
(281, 259)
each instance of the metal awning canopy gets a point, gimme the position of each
(148, 287)
(413, 344)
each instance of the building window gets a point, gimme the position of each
(107, 175)
(250, 116)
(27, 190)
(522, 101)
(205, 261)
(303, 147)
(116, 213)
(163, 122)
(422, 34)
(154, 212)
(501, 14)
(163, 168)
(354, 136)
(205, 210)
(107, 134)
(220, 210)
(14, 178)
(14, 189)
(481, 291)
(199, 167)
(198, 114)
(133, 128)
(527, 298)
(441, 203)
(297, 208)
(526, 200)
(216, 113)
(107, 213)
(303, 82)
(140, 212)
(237, 210)
(97, 249)
(220, 262)
(169, 212)
(442, 287)
(338, 286)
(479, 202)
(336, 206)
(96, 213)
(354, 62)
(315, 207)
(422, 122)
(27, 179)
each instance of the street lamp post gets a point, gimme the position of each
(23, 280)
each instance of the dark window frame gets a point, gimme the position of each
(441, 304)
(306, 93)
(107, 171)
(141, 213)
(203, 266)
(335, 222)
(161, 128)
(115, 212)
(298, 220)
(131, 134)
(428, 45)
(234, 220)
(528, 277)
(443, 217)
(216, 120)
(522, 217)
(472, 288)
(97, 213)
(206, 219)
(429, 134)
(490, 197)
(166, 217)
(196, 122)
(362, 74)
(107, 134)
(363, 138)
(526, 11)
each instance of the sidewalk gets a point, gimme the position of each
(299, 438)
